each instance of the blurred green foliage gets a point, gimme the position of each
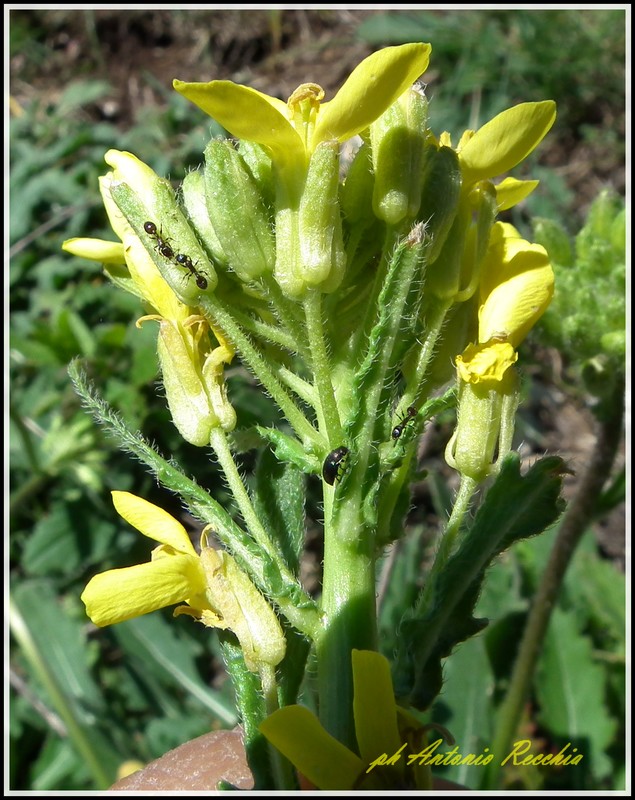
(82, 700)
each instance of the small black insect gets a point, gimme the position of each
(186, 261)
(162, 244)
(408, 417)
(333, 465)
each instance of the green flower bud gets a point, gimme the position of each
(259, 163)
(485, 425)
(193, 190)
(237, 211)
(319, 222)
(398, 138)
(171, 228)
(443, 277)
(440, 197)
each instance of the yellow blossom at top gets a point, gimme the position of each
(293, 130)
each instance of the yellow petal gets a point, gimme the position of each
(374, 706)
(485, 363)
(370, 89)
(153, 521)
(247, 114)
(511, 191)
(298, 735)
(96, 250)
(121, 594)
(149, 281)
(517, 284)
(506, 140)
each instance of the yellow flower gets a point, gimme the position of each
(215, 590)
(192, 370)
(516, 286)
(293, 130)
(381, 727)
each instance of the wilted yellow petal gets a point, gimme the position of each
(485, 363)
(153, 521)
(298, 735)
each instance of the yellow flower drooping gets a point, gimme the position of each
(216, 591)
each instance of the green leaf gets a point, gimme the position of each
(60, 645)
(279, 500)
(60, 541)
(516, 507)
(289, 449)
(465, 707)
(157, 647)
(571, 689)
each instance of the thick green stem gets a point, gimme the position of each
(574, 524)
(349, 613)
(321, 363)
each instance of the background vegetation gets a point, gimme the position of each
(84, 701)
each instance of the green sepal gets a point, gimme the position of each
(398, 139)
(440, 196)
(237, 211)
(516, 507)
(174, 229)
(195, 203)
(322, 256)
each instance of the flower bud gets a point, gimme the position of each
(485, 424)
(398, 138)
(194, 385)
(233, 602)
(322, 255)
(440, 196)
(195, 202)
(237, 212)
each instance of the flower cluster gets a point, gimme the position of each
(346, 287)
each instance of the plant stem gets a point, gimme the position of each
(575, 522)
(260, 368)
(349, 612)
(321, 364)
(297, 616)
